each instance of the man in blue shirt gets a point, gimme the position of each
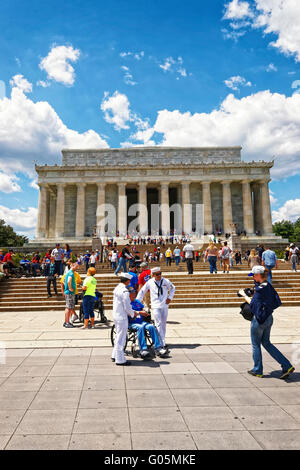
(134, 279)
(262, 305)
(269, 260)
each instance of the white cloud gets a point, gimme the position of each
(235, 82)
(273, 198)
(135, 55)
(116, 110)
(289, 211)
(277, 17)
(174, 66)
(33, 131)
(271, 68)
(20, 220)
(266, 125)
(237, 9)
(57, 64)
(235, 35)
(21, 83)
(43, 83)
(8, 183)
(128, 77)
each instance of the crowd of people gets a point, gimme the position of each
(142, 290)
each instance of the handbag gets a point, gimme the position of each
(246, 312)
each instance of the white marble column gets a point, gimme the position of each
(165, 209)
(186, 208)
(80, 211)
(122, 209)
(227, 207)
(100, 216)
(208, 228)
(60, 211)
(42, 212)
(143, 211)
(266, 208)
(248, 208)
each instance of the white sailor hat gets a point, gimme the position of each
(155, 270)
(126, 276)
(257, 270)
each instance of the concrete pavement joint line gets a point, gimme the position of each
(184, 420)
(38, 390)
(80, 395)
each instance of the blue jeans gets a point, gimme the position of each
(122, 264)
(212, 264)
(260, 335)
(88, 306)
(269, 268)
(177, 259)
(140, 329)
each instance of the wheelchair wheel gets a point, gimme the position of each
(113, 336)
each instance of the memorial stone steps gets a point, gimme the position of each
(197, 291)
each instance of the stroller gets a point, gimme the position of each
(98, 306)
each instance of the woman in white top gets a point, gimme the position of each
(294, 253)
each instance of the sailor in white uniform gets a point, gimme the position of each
(121, 310)
(161, 292)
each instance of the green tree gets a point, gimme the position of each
(297, 231)
(8, 237)
(284, 229)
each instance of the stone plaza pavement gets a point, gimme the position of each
(59, 389)
(190, 326)
(199, 398)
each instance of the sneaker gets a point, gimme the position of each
(127, 363)
(144, 354)
(286, 373)
(251, 372)
(163, 352)
(69, 325)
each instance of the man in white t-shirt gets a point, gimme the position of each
(188, 250)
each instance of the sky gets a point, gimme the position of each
(95, 74)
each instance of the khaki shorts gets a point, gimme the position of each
(70, 301)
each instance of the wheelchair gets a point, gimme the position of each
(133, 344)
(98, 307)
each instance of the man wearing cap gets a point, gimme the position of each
(262, 305)
(122, 309)
(161, 292)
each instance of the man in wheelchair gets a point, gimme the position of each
(141, 324)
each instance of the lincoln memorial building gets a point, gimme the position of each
(74, 195)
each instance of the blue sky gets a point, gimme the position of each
(147, 73)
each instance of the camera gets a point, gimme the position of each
(249, 291)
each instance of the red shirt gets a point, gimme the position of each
(144, 277)
(7, 258)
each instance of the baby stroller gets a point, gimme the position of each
(98, 306)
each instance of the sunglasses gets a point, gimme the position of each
(157, 274)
